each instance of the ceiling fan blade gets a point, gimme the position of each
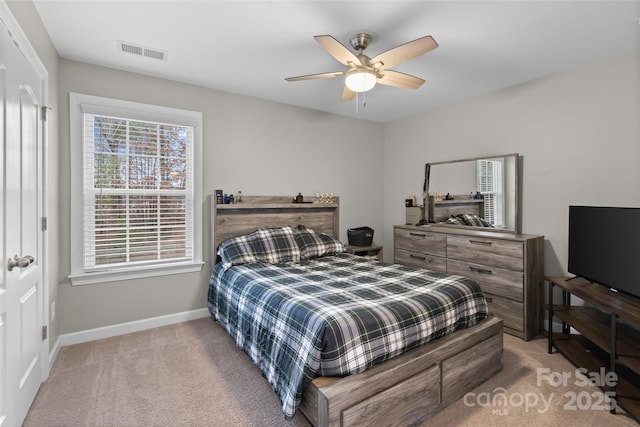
(315, 76)
(405, 52)
(398, 79)
(347, 94)
(339, 51)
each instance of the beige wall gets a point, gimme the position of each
(578, 133)
(252, 145)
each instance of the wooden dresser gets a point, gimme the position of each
(508, 267)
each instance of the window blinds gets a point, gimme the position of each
(138, 192)
(490, 184)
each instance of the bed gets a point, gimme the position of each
(287, 307)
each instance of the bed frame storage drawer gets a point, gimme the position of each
(493, 280)
(498, 253)
(421, 260)
(353, 400)
(398, 405)
(508, 267)
(419, 241)
(468, 368)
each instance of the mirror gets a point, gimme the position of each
(486, 187)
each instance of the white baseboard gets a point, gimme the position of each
(126, 328)
(53, 354)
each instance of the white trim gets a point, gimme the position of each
(24, 45)
(23, 42)
(81, 103)
(134, 273)
(53, 354)
(129, 327)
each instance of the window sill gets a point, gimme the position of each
(134, 273)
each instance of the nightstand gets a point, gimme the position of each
(373, 251)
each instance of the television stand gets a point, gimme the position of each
(609, 339)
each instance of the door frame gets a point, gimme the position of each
(23, 43)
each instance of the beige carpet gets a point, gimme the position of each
(192, 374)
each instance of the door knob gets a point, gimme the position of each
(23, 262)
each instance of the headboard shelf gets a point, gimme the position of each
(233, 220)
(288, 205)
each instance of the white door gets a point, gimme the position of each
(21, 288)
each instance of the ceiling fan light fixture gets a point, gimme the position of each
(362, 72)
(360, 80)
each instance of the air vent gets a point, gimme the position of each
(139, 50)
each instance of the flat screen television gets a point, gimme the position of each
(604, 246)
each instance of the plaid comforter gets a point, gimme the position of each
(335, 315)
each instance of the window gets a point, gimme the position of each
(490, 185)
(136, 190)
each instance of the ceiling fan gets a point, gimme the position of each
(363, 72)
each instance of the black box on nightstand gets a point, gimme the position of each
(360, 236)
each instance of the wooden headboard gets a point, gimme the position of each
(441, 210)
(270, 211)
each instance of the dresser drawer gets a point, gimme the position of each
(486, 251)
(421, 241)
(420, 260)
(508, 310)
(497, 281)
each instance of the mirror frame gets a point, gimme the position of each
(516, 204)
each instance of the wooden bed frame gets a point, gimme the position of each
(403, 390)
(270, 211)
(441, 210)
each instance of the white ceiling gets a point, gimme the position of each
(249, 47)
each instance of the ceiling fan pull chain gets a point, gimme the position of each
(364, 101)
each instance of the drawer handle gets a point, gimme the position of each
(480, 242)
(480, 270)
(418, 257)
(417, 235)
